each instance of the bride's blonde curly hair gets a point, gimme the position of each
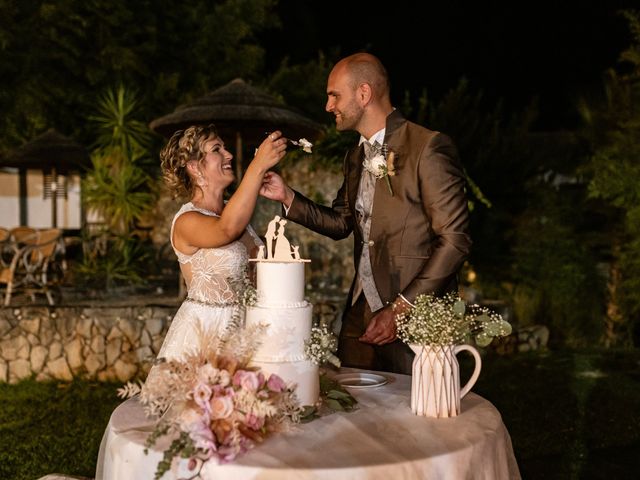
(184, 146)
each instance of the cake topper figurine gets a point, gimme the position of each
(278, 247)
(282, 247)
(271, 233)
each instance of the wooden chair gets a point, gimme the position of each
(7, 252)
(23, 234)
(27, 260)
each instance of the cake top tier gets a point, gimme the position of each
(278, 248)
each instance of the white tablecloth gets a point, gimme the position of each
(382, 440)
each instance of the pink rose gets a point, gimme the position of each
(253, 421)
(202, 394)
(247, 380)
(261, 380)
(275, 383)
(191, 419)
(221, 407)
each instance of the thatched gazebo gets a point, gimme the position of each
(241, 113)
(54, 154)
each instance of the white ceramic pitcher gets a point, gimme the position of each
(435, 380)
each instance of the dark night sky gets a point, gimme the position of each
(553, 50)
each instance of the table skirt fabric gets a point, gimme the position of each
(382, 439)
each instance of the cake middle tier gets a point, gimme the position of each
(282, 349)
(287, 329)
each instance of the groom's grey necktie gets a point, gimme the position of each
(367, 186)
(364, 205)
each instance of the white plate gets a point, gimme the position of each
(360, 380)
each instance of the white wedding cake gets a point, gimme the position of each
(281, 307)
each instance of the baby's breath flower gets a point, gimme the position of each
(321, 346)
(447, 320)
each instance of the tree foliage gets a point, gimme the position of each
(612, 126)
(57, 55)
(494, 151)
(303, 85)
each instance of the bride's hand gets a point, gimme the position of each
(271, 150)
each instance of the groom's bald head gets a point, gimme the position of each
(365, 68)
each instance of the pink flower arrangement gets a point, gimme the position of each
(213, 406)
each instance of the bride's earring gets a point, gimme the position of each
(201, 181)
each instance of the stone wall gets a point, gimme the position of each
(103, 343)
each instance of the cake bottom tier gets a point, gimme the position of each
(304, 374)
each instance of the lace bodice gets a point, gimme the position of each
(210, 272)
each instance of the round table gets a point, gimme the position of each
(382, 439)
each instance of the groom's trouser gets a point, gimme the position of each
(394, 357)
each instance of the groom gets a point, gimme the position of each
(410, 238)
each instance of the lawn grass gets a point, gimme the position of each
(48, 427)
(571, 415)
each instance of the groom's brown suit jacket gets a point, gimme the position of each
(419, 235)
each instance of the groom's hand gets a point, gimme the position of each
(274, 188)
(382, 328)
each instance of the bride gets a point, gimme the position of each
(211, 238)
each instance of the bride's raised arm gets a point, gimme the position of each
(238, 211)
(212, 175)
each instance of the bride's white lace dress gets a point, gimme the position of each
(209, 274)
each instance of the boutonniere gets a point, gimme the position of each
(382, 166)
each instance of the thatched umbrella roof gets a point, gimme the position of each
(239, 107)
(46, 151)
(241, 113)
(50, 152)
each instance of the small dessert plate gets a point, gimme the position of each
(361, 380)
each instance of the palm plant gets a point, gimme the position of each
(118, 188)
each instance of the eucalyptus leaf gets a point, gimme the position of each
(338, 395)
(459, 307)
(327, 384)
(335, 405)
(308, 414)
(483, 340)
(493, 329)
(506, 327)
